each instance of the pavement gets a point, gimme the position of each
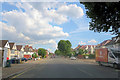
(15, 69)
(0, 73)
(66, 68)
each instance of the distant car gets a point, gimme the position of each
(73, 58)
(23, 59)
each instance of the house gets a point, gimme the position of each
(4, 51)
(13, 50)
(115, 43)
(104, 44)
(28, 51)
(35, 51)
(47, 53)
(20, 51)
(90, 48)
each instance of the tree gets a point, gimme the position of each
(85, 51)
(81, 51)
(42, 52)
(64, 47)
(57, 52)
(34, 55)
(105, 17)
(50, 53)
(71, 53)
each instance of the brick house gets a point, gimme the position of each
(90, 48)
(28, 51)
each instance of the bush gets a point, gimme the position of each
(92, 56)
(34, 55)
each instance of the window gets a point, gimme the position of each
(111, 55)
(12, 51)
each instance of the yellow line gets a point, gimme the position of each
(19, 74)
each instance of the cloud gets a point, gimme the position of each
(33, 25)
(10, 33)
(92, 41)
(82, 43)
(71, 10)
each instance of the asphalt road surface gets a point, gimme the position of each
(66, 68)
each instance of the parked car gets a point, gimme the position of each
(23, 59)
(13, 60)
(29, 58)
(73, 58)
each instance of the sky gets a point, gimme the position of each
(44, 24)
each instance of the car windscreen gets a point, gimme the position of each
(116, 54)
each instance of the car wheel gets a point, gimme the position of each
(100, 64)
(115, 66)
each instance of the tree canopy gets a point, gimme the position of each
(34, 55)
(81, 51)
(105, 16)
(64, 47)
(57, 52)
(42, 52)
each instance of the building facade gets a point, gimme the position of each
(4, 51)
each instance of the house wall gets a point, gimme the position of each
(5, 56)
(92, 50)
(28, 53)
(12, 55)
(9, 53)
(21, 54)
(1, 54)
(16, 54)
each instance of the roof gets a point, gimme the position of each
(83, 47)
(35, 50)
(106, 42)
(11, 45)
(31, 47)
(77, 47)
(19, 47)
(114, 40)
(111, 43)
(28, 48)
(3, 42)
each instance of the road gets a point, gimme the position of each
(66, 68)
